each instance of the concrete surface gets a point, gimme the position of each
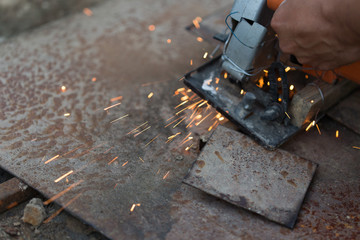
(111, 54)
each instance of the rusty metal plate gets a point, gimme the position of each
(236, 169)
(347, 112)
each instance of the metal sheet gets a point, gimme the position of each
(348, 112)
(236, 169)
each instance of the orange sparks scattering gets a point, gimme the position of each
(166, 175)
(64, 176)
(87, 12)
(150, 95)
(317, 127)
(260, 83)
(119, 118)
(205, 55)
(337, 134)
(93, 79)
(107, 108)
(312, 124)
(62, 192)
(199, 39)
(125, 163)
(191, 62)
(287, 69)
(135, 129)
(196, 22)
(112, 160)
(52, 159)
(356, 147)
(116, 99)
(62, 208)
(142, 131)
(152, 140)
(168, 41)
(291, 87)
(141, 159)
(63, 88)
(225, 75)
(151, 28)
(66, 114)
(133, 206)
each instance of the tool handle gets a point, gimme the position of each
(351, 71)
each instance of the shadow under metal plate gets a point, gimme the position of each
(236, 169)
(225, 97)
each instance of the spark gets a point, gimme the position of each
(63, 88)
(196, 22)
(172, 122)
(108, 150)
(197, 124)
(125, 163)
(181, 104)
(142, 131)
(310, 126)
(150, 95)
(166, 175)
(184, 98)
(152, 140)
(64, 176)
(189, 139)
(141, 159)
(112, 160)
(115, 185)
(307, 76)
(151, 28)
(225, 75)
(52, 159)
(107, 108)
(87, 151)
(337, 134)
(62, 192)
(179, 90)
(133, 206)
(116, 99)
(72, 150)
(168, 40)
(179, 122)
(221, 118)
(242, 91)
(291, 87)
(87, 12)
(260, 83)
(191, 62)
(172, 137)
(312, 101)
(279, 79)
(93, 79)
(199, 39)
(187, 148)
(217, 80)
(287, 69)
(62, 208)
(137, 128)
(203, 103)
(279, 99)
(287, 115)
(66, 114)
(187, 136)
(119, 118)
(205, 55)
(33, 140)
(356, 147)
(317, 126)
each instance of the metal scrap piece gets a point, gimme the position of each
(236, 169)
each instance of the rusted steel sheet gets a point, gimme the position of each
(347, 112)
(236, 169)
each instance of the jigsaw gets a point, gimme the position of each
(269, 96)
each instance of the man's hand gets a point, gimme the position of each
(324, 34)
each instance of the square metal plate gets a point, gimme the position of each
(236, 169)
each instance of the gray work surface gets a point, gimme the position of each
(115, 46)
